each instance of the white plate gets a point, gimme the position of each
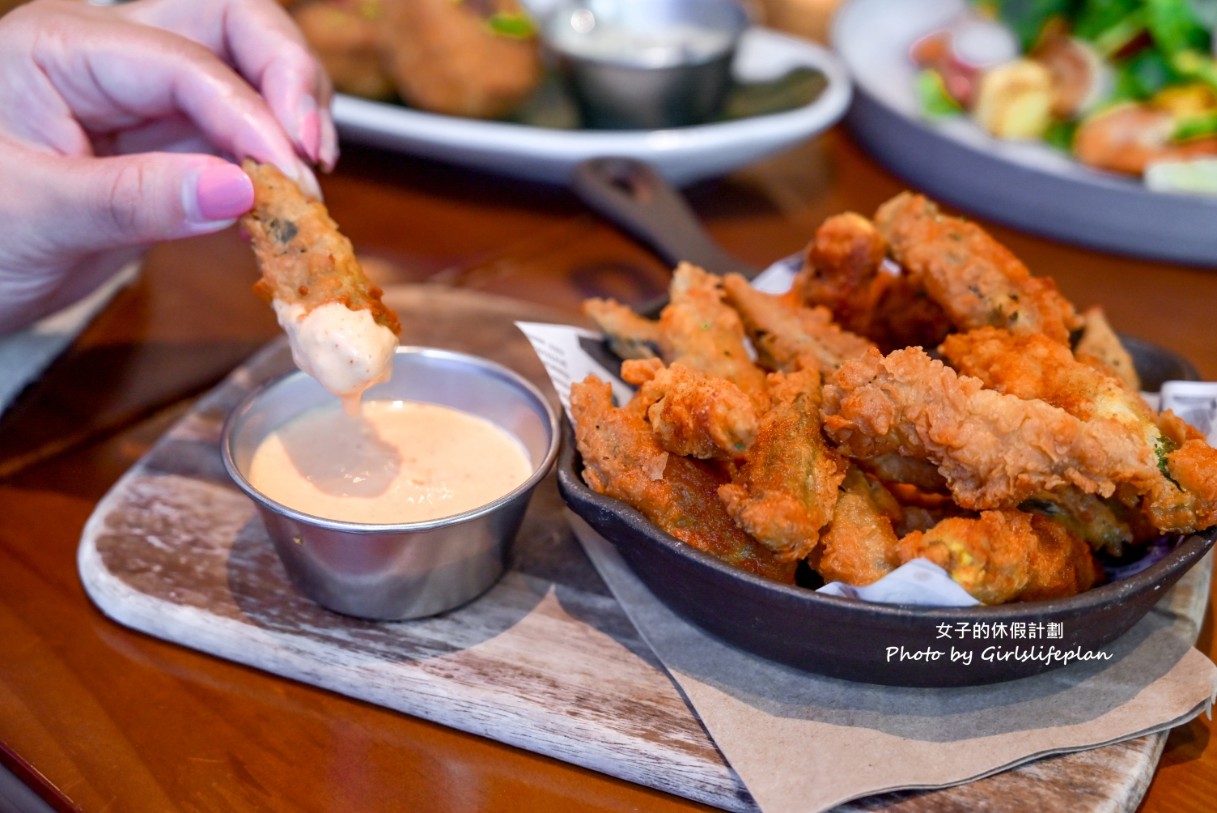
(682, 155)
(1022, 184)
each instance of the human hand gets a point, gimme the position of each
(113, 121)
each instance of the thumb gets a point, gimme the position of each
(152, 197)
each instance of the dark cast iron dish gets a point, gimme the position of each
(839, 637)
(850, 639)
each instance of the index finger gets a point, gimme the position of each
(262, 42)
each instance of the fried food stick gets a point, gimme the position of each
(629, 334)
(1033, 366)
(788, 336)
(787, 484)
(1006, 555)
(995, 450)
(974, 278)
(691, 413)
(859, 545)
(623, 460)
(844, 270)
(700, 330)
(340, 331)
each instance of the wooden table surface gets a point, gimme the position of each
(96, 717)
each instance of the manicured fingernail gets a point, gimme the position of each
(329, 143)
(223, 191)
(310, 135)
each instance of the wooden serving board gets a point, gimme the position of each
(546, 661)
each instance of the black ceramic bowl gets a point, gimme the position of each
(879, 643)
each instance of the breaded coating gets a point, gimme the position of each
(859, 546)
(787, 483)
(630, 335)
(975, 279)
(1100, 342)
(1034, 367)
(451, 57)
(698, 329)
(844, 270)
(840, 267)
(994, 450)
(622, 459)
(692, 413)
(788, 336)
(1007, 555)
(303, 257)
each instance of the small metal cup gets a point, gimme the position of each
(645, 64)
(409, 570)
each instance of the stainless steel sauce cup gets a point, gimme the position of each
(408, 570)
(645, 64)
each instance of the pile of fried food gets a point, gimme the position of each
(471, 58)
(918, 393)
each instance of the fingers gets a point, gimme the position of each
(131, 75)
(140, 199)
(263, 43)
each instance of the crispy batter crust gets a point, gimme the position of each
(303, 257)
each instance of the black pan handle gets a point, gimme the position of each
(638, 200)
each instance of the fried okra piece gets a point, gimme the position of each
(340, 330)
(1032, 366)
(786, 485)
(629, 335)
(845, 270)
(691, 413)
(1006, 555)
(700, 330)
(994, 450)
(1100, 342)
(622, 459)
(788, 336)
(859, 545)
(975, 279)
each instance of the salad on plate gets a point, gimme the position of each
(1125, 86)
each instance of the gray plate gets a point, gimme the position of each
(1027, 186)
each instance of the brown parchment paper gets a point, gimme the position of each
(806, 743)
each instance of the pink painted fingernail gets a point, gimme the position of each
(310, 135)
(223, 192)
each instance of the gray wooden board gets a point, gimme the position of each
(545, 661)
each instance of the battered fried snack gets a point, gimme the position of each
(859, 546)
(340, 331)
(691, 413)
(622, 459)
(995, 450)
(473, 58)
(1100, 343)
(1031, 366)
(845, 270)
(700, 330)
(630, 335)
(787, 483)
(975, 279)
(777, 429)
(1007, 555)
(788, 336)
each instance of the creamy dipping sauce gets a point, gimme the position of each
(345, 350)
(389, 462)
